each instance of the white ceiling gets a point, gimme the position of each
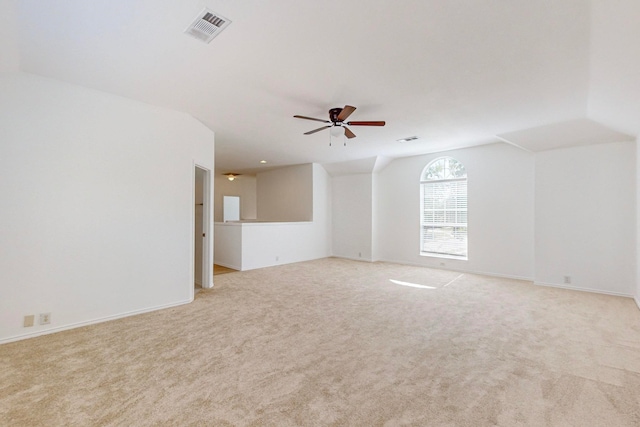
(454, 73)
(569, 133)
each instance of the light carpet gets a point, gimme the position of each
(336, 342)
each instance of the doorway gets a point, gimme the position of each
(202, 264)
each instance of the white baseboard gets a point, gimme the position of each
(459, 270)
(228, 265)
(89, 322)
(352, 258)
(576, 288)
(505, 276)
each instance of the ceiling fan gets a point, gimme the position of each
(337, 117)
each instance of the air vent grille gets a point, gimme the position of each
(207, 25)
(407, 139)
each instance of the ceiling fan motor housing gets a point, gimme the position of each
(334, 113)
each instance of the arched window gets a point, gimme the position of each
(443, 209)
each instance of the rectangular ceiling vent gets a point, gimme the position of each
(207, 25)
(407, 139)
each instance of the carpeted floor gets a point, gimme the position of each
(336, 342)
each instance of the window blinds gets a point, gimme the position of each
(444, 217)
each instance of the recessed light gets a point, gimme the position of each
(407, 139)
(263, 161)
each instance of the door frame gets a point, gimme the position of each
(207, 228)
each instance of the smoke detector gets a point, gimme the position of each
(207, 25)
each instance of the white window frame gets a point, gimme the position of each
(444, 224)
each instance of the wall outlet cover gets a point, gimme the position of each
(28, 320)
(45, 318)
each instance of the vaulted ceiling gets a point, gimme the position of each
(454, 73)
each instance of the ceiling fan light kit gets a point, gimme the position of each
(337, 123)
(337, 131)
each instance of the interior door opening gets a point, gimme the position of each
(202, 222)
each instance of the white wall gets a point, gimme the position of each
(285, 194)
(375, 222)
(97, 204)
(264, 245)
(228, 244)
(637, 290)
(569, 212)
(322, 209)
(246, 246)
(615, 72)
(273, 243)
(501, 209)
(352, 216)
(615, 64)
(9, 53)
(585, 217)
(244, 187)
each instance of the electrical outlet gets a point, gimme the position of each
(359, 254)
(45, 318)
(28, 320)
(277, 258)
(567, 280)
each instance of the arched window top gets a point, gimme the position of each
(443, 168)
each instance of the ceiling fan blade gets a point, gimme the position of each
(346, 112)
(311, 118)
(317, 130)
(348, 133)
(379, 123)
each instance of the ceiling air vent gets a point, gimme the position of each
(407, 139)
(207, 25)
